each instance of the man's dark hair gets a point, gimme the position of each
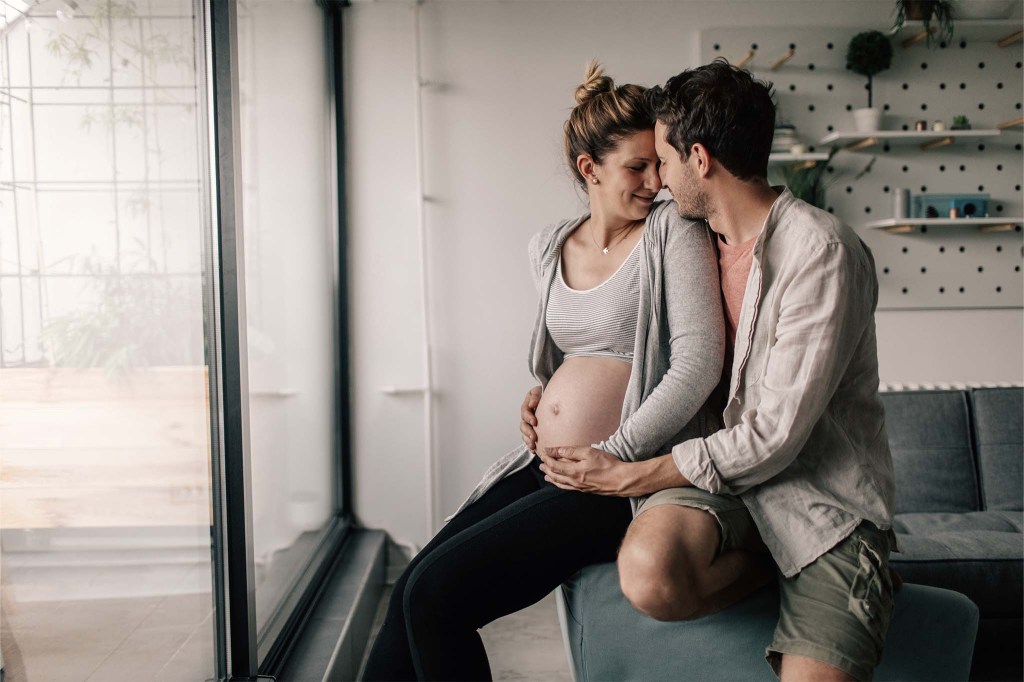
(723, 108)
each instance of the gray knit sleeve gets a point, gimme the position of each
(692, 303)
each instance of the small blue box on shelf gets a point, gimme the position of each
(942, 205)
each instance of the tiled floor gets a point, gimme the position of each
(522, 646)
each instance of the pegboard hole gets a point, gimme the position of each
(849, 107)
(962, 168)
(942, 169)
(999, 290)
(753, 46)
(830, 46)
(924, 270)
(810, 107)
(981, 147)
(999, 249)
(1016, 188)
(810, 67)
(906, 127)
(963, 86)
(905, 250)
(906, 87)
(999, 208)
(999, 86)
(981, 105)
(905, 290)
(924, 65)
(942, 86)
(981, 268)
(885, 107)
(961, 290)
(829, 86)
(942, 249)
(849, 190)
(830, 128)
(999, 166)
(981, 188)
(963, 44)
(942, 290)
(924, 107)
(962, 249)
(867, 209)
(792, 46)
(717, 46)
(886, 189)
(924, 188)
(905, 169)
(792, 88)
(885, 271)
(981, 65)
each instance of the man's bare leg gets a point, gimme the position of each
(668, 568)
(796, 668)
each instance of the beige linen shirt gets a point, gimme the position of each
(805, 444)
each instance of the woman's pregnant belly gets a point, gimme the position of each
(582, 402)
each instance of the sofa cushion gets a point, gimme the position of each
(930, 439)
(998, 414)
(979, 554)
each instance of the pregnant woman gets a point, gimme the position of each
(628, 345)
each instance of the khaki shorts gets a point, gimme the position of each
(737, 527)
(836, 610)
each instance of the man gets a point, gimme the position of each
(804, 444)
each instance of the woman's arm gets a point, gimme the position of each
(696, 331)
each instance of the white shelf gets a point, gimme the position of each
(859, 140)
(902, 225)
(785, 157)
(963, 29)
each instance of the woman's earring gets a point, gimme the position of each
(594, 180)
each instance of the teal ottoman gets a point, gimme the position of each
(607, 640)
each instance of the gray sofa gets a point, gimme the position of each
(958, 462)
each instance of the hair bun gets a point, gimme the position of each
(595, 83)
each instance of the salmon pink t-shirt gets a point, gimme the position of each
(734, 265)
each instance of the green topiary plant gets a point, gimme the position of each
(869, 54)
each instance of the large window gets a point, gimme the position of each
(122, 509)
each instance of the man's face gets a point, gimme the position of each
(679, 177)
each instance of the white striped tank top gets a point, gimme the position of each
(599, 321)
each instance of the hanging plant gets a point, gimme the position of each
(926, 11)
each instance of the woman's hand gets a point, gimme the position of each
(528, 418)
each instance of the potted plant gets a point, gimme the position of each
(868, 54)
(961, 123)
(941, 11)
(809, 183)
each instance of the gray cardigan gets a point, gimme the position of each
(679, 347)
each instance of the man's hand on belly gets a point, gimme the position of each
(590, 470)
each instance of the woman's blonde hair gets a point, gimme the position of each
(603, 116)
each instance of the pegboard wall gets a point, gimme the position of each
(935, 267)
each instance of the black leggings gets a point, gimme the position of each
(500, 554)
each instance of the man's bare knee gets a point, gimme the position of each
(660, 559)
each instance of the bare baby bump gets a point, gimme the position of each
(582, 402)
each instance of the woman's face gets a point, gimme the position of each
(628, 178)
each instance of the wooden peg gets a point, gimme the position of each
(918, 37)
(900, 229)
(934, 144)
(1005, 227)
(801, 165)
(1011, 39)
(1009, 124)
(783, 59)
(746, 60)
(862, 144)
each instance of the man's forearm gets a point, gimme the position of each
(652, 475)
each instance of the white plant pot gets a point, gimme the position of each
(867, 120)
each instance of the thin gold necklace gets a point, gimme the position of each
(625, 233)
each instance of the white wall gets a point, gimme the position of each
(503, 75)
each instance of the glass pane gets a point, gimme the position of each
(105, 511)
(289, 281)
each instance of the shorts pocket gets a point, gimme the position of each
(870, 598)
